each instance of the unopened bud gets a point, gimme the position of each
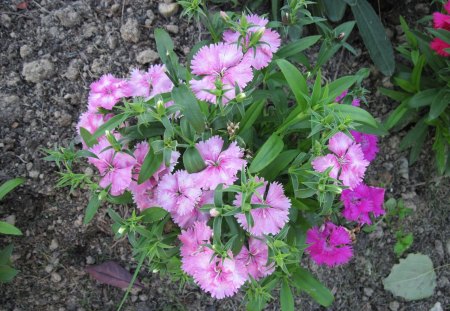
(240, 97)
(214, 212)
(224, 15)
(121, 230)
(341, 36)
(285, 18)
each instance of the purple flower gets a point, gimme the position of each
(107, 92)
(150, 83)
(369, 144)
(255, 258)
(361, 202)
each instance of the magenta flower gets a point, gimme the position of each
(255, 259)
(270, 219)
(360, 202)
(369, 144)
(223, 64)
(107, 92)
(447, 7)
(347, 162)
(441, 21)
(341, 97)
(91, 122)
(440, 46)
(221, 165)
(115, 167)
(196, 215)
(150, 83)
(261, 55)
(179, 192)
(329, 245)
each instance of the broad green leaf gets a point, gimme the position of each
(9, 185)
(7, 273)
(5, 254)
(280, 163)
(413, 278)
(190, 108)
(334, 9)
(6, 228)
(122, 199)
(395, 95)
(92, 208)
(286, 298)
(267, 153)
(251, 115)
(295, 80)
(411, 138)
(110, 125)
(358, 115)
(193, 161)
(423, 98)
(305, 281)
(297, 46)
(440, 147)
(374, 36)
(150, 165)
(164, 44)
(153, 214)
(439, 104)
(350, 2)
(88, 138)
(396, 115)
(337, 87)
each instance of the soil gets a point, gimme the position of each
(50, 51)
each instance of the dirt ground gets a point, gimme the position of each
(50, 52)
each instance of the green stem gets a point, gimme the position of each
(138, 268)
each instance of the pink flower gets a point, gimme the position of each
(262, 54)
(341, 97)
(115, 167)
(329, 245)
(368, 142)
(220, 63)
(447, 7)
(107, 92)
(347, 162)
(179, 192)
(356, 102)
(91, 121)
(150, 83)
(360, 202)
(221, 165)
(270, 219)
(188, 220)
(222, 278)
(441, 21)
(255, 259)
(439, 46)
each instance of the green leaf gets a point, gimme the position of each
(88, 138)
(374, 37)
(297, 46)
(359, 115)
(122, 199)
(9, 185)
(217, 229)
(150, 165)
(110, 125)
(164, 44)
(396, 115)
(337, 87)
(280, 163)
(92, 208)
(439, 104)
(7, 273)
(286, 298)
(153, 214)
(193, 161)
(251, 115)
(5, 254)
(423, 98)
(417, 71)
(403, 243)
(395, 95)
(413, 278)
(190, 108)
(305, 281)
(267, 153)
(334, 9)
(6, 228)
(295, 80)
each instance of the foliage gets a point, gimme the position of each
(422, 88)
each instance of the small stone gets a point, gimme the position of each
(55, 277)
(15, 125)
(394, 305)
(387, 83)
(54, 245)
(147, 56)
(29, 166)
(437, 307)
(88, 171)
(90, 260)
(403, 168)
(65, 120)
(443, 282)
(34, 174)
(130, 31)
(134, 298)
(439, 248)
(68, 17)
(447, 246)
(168, 9)
(5, 20)
(368, 291)
(389, 33)
(143, 297)
(150, 17)
(172, 29)
(73, 70)
(11, 219)
(422, 8)
(115, 8)
(111, 40)
(49, 268)
(25, 51)
(38, 70)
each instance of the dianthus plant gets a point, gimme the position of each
(235, 165)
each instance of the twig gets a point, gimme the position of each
(123, 8)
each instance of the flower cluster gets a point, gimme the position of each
(441, 21)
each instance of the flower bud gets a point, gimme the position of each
(240, 97)
(224, 16)
(214, 212)
(121, 230)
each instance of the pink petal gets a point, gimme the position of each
(339, 143)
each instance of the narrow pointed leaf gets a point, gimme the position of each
(268, 152)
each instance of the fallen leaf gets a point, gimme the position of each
(113, 274)
(22, 5)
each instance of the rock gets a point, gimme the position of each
(49, 268)
(90, 260)
(54, 245)
(147, 56)
(150, 17)
(394, 305)
(130, 31)
(25, 51)
(386, 82)
(439, 248)
(11, 219)
(68, 17)
(403, 168)
(168, 9)
(73, 70)
(368, 291)
(443, 282)
(143, 297)
(172, 29)
(422, 8)
(437, 307)
(64, 120)
(115, 9)
(111, 40)
(38, 70)
(5, 20)
(34, 174)
(55, 277)
(88, 171)
(447, 246)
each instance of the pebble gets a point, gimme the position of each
(422, 8)
(150, 17)
(34, 174)
(134, 298)
(172, 29)
(54, 245)
(403, 168)
(143, 297)
(168, 9)
(73, 70)
(65, 119)
(111, 40)
(368, 291)
(443, 282)
(437, 307)
(5, 20)
(55, 277)
(447, 246)
(90, 260)
(49, 268)
(147, 56)
(88, 171)
(394, 305)
(68, 17)
(130, 31)
(439, 248)
(11, 219)
(38, 70)
(25, 51)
